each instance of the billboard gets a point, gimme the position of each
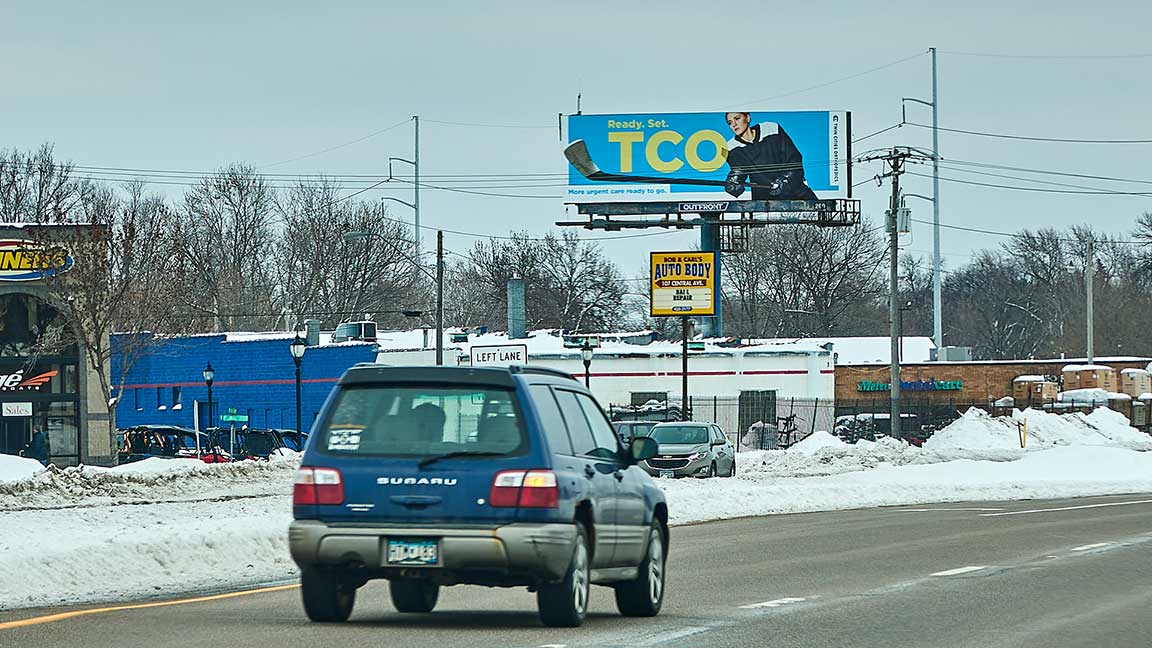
(712, 156)
(683, 283)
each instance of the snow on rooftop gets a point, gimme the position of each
(1085, 367)
(865, 350)
(1030, 378)
(1135, 372)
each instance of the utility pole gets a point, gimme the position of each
(896, 161)
(937, 300)
(1089, 272)
(439, 297)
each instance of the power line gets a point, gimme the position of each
(835, 81)
(480, 125)
(976, 230)
(338, 146)
(882, 130)
(1051, 57)
(1061, 140)
(1033, 180)
(1095, 192)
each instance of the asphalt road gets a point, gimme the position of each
(1054, 573)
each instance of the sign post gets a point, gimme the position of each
(683, 284)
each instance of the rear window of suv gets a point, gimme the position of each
(423, 421)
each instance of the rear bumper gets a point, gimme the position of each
(535, 552)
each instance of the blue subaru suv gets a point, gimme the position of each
(510, 477)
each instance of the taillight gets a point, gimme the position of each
(318, 486)
(525, 488)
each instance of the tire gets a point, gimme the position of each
(644, 596)
(328, 597)
(412, 595)
(732, 473)
(565, 604)
(711, 471)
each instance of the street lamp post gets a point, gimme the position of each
(586, 356)
(297, 348)
(438, 278)
(209, 376)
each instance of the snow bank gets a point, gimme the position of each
(151, 480)
(199, 526)
(13, 468)
(817, 440)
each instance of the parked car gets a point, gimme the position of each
(690, 449)
(628, 430)
(244, 443)
(292, 440)
(437, 476)
(145, 441)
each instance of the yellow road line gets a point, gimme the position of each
(50, 618)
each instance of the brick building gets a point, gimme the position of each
(865, 386)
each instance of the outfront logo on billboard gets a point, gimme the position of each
(22, 260)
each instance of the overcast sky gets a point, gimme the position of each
(196, 86)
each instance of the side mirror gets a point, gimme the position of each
(644, 448)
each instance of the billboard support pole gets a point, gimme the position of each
(684, 368)
(710, 242)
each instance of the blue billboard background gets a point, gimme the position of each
(694, 145)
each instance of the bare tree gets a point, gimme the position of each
(324, 276)
(569, 283)
(123, 256)
(227, 226)
(34, 188)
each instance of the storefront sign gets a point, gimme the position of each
(912, 385)
(17, 409)
(22, 260)
(17, 381)
(683, 283)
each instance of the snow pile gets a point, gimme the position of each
(817, 440)
(1056, 473)
(148, 481)
(13, 468)
(976, 430)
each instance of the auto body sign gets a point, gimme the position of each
(683, 283)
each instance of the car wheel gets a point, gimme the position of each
(564, 604)
(644, 596)
(328, 597)
(732, 473)
(711, 470)
(414, 595)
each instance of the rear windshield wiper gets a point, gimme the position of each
(463, 453)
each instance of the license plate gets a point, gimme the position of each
(413, 551)
(667, 473)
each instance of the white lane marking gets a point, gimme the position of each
(774, 603)
(960, 570)
(928, 510)
(1091, 546)
(1067, 508)
(672, 635)
(553, 645)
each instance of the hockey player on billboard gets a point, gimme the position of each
(766, 157)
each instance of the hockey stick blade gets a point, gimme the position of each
(577, 154)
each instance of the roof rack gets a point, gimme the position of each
(548, 371)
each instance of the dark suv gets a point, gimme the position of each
(435, 476)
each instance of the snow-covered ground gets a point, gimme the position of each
(168, 526)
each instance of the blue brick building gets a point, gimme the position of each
(254, 374)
